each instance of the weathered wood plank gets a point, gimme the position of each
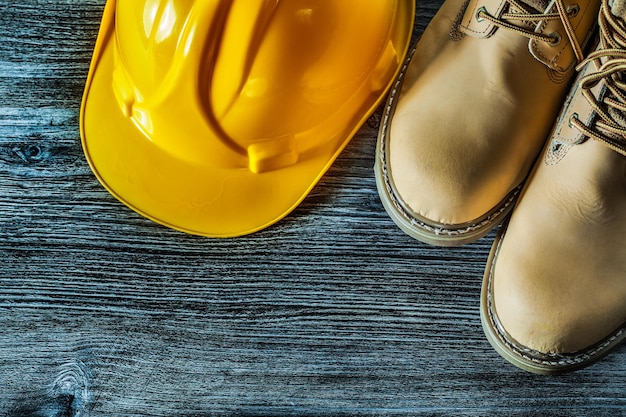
(333, 311)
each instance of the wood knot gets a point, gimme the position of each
(32, 153)
(374, 120)
(72, 384)
(68, 395)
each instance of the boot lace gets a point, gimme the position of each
(563, 13)
(610, 67)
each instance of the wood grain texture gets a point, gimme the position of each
(333, 311)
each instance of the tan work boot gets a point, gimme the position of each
(554, 293)
(471, 112)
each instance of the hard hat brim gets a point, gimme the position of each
(193, 198)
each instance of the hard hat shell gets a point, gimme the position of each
(217, 117)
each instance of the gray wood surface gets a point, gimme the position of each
(333, 311)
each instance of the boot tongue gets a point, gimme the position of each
(618, 7)
(539, 5)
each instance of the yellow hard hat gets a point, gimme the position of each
(217, 117)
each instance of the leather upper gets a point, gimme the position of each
(559, 275)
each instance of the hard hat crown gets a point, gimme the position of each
(217, 117)
(270, 80)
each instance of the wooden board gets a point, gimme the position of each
(332, 311)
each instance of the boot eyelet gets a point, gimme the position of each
(556, 38)
(573, 10)
(479, 13)
(570, 122)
